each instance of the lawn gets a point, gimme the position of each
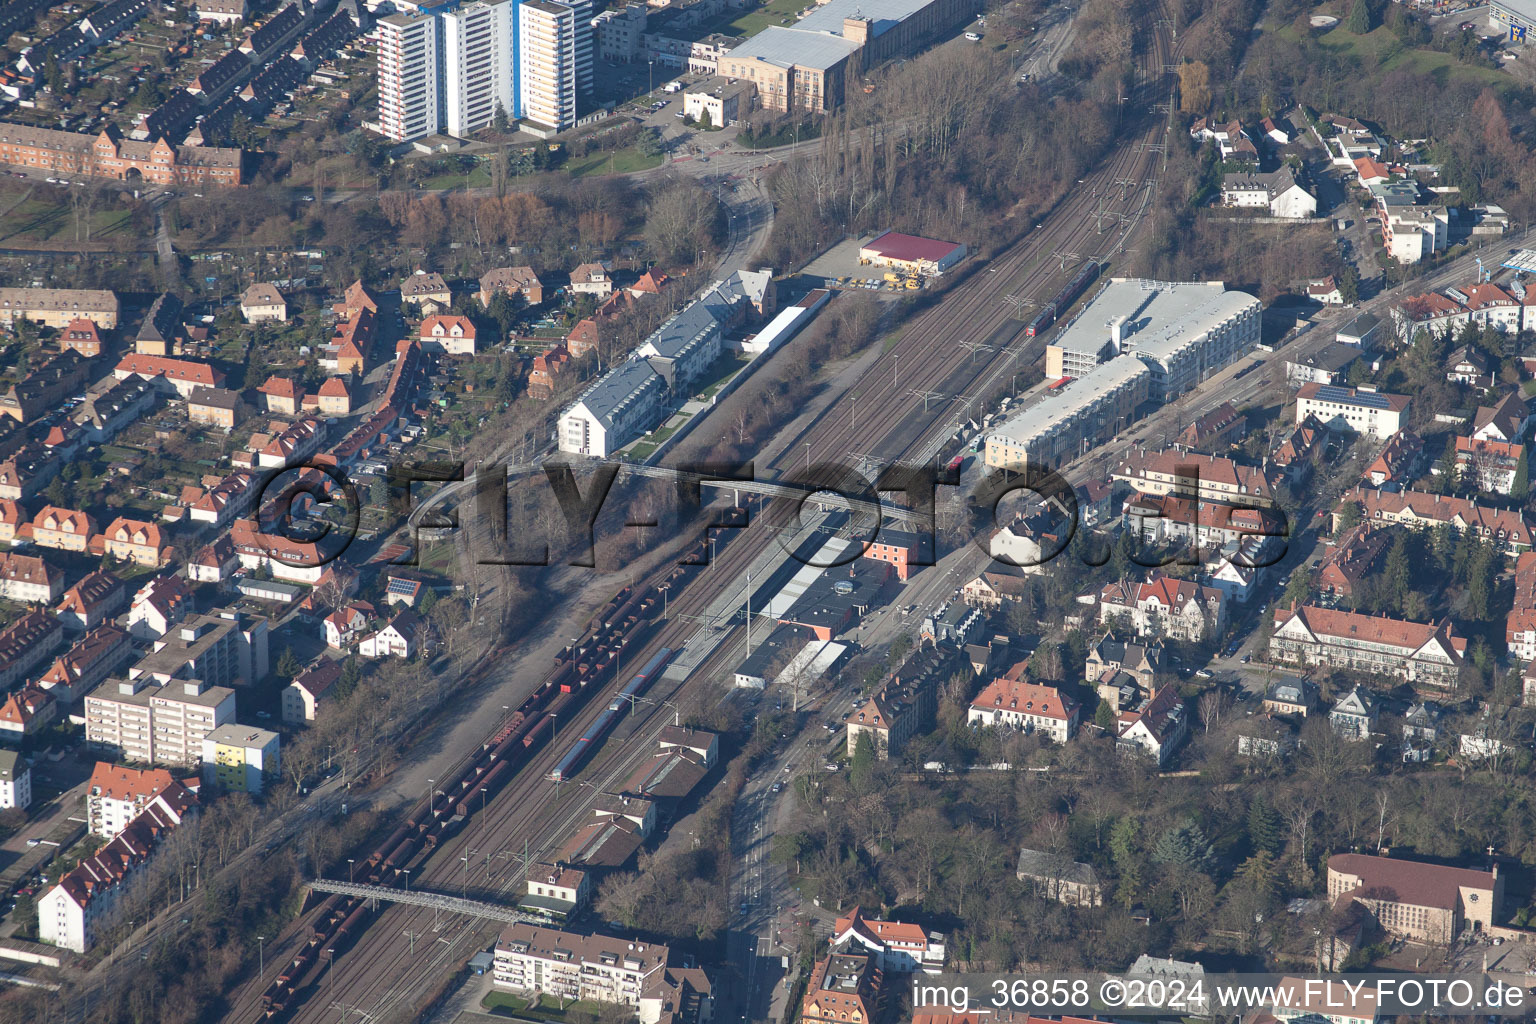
(775, 12)
(42, 217)
(618, 161)
(504, 1004)
(1380, 43)
(717, 375)
(436, 555)
(478, 177)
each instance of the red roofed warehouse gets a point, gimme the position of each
(911, 254)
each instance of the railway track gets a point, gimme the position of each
(940, 353)
(390, 959)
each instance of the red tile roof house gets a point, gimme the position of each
(132, 541)
(898, 948)
(344, 626)
(1424, 655)
(67, 913)
(281, 395)
(1399, 460)
(215, 562)
(548, 367)
(97, 595)
(159, 604)
(185, 375)
(29, 580)
(102, 652)
(1350, 558)
(1027, 707)
(25, 712)
(454, 335)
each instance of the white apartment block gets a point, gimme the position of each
(68, 913)
(616, 34)
(15, 781)
(409, 80)
(1358, 410)
(565, 965)
(479, 65)
(136, 721)
(115, 795)
(548, 67)
(1065, 424)
(616, 409)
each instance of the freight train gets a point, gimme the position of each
(629, 620)
(1064, 298)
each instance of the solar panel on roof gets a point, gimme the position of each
(403, 587)
(1333, 393)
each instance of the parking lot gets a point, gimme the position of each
(839, 267)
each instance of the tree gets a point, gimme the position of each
(1348, 281)
(1521, 487)
(1265, 829)
(861, 766)
(1359, 20)
(288, 664)
(1194, 87)
(704, 119)
(1104, 717)
(1184, 844)
(680, 219)
(1348, 516)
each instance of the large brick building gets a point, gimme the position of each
(1419, 902)
(109, 155)
(807, 66)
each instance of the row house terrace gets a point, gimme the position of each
(103, 652)
(1203, 525)
(85, 605)
(1485, 305)
(1424, 655)
(1190, 474)
(1508, 530)
(26, 643)
(1520, 623)
(68, 913)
